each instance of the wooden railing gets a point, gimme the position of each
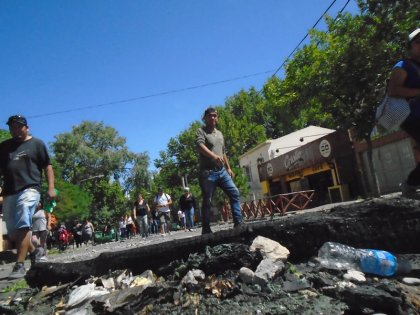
(270, 206)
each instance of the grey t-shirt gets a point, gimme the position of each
(214, 141)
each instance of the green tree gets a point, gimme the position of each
(4, 135)
(89, 150)
(94, 157)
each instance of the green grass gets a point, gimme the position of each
(18, 285)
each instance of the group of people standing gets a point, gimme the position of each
(145, 220)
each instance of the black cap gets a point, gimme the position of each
(160, 189)
(17, 118)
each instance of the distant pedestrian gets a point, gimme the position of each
(141, 212)
(129, 226)
(162, 203)
(154, 221)
(181, 219)
(215, 170)
(405, 83)
(188, 205)
(122, 228)
(77, 232)
(22, 160)
(88, 232)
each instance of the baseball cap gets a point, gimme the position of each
(17, 118)
(186, 189)
(413, 35)
(160, 189)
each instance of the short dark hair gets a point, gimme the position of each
(209, 110)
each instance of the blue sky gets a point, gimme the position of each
(60, 60)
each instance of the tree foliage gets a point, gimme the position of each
(94, 157)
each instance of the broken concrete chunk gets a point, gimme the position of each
(354, 275)
(267, 270)
(246, 275)
(192, 276)
(411, 281)
(269, 248)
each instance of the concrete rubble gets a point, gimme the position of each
(264, 268)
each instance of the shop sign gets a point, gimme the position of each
(293, 161)
(325, 148)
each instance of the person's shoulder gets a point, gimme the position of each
(7, 142)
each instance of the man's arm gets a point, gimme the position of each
(205, 151)
(49, 175)
(229, 170)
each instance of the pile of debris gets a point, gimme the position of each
(230, 279)
(241, 271)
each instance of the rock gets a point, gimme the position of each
(267, 270)
(191, 277)
(354, 275)
(411, 281)
(246, 275)
(269, 249)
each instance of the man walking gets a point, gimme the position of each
(162, 203)
(22, 160)
(215, 170)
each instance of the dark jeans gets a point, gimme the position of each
(412, 126)
(209, 180)
(189, 216)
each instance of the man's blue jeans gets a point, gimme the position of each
(189, 216)
(209, 180)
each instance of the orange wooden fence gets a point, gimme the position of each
(270, 206)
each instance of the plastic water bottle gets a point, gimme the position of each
(339, 256)
(50, 203)
(343, 257)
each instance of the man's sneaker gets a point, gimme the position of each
(18, 271)
(408, 191)
(238, 224)
(206, 230)
(36, 255)
(42, 259)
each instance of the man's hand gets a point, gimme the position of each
(219, 160)
(230, 172)
(51, 193)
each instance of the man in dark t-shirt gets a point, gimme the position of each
(22, 160)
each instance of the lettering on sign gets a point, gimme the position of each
(325, 148)
(293, 161)
(270, 169)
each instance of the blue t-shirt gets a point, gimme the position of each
(412, 81)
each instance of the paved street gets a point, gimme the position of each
(90, 251)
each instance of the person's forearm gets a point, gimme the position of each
(226, 161)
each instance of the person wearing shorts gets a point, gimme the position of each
(162, 203)
(23, 158)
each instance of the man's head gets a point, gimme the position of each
(17, 119)
(186, 190)
(160, 190)
(18, 127)
(210, 117)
